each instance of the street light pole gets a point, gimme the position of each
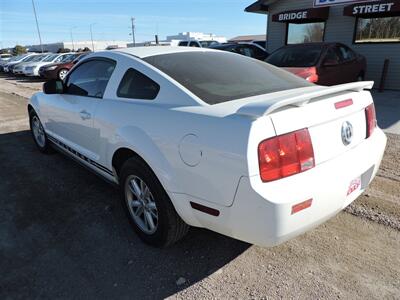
(91, 35)
(72, 38)
(37, 25)
(133, 31)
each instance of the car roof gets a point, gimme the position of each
(320, 44)
(143, 52)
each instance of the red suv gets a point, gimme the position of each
(60, 70)
(321, 63)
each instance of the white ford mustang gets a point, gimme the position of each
(212, 139)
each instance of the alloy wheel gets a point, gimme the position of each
(141, 204)
(62, 74)
(38, 132)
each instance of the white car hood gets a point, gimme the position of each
(38, 64)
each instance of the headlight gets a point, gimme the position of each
(51, 68)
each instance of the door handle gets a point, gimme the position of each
(85, 115)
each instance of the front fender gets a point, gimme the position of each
(137, 140)
(34, 102)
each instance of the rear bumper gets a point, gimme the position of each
(267, 207)
(47, 74)
(261, 213)
(33, 72)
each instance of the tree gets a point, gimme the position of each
(86, 49)
(18, 49)
(64, 50)
(314, 33)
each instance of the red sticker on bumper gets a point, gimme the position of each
(354, 185)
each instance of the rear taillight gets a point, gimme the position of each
(285, 155)
(312, 75)
(370, 117)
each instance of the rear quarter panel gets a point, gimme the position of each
(158, 134)
(191, 150)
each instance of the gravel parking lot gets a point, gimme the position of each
(63, 234)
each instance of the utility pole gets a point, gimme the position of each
(37, 25)
(133, 31)
(72, 38)
(91, 35)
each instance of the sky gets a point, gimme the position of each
(111, 18)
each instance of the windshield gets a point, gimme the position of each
(217, 77)
(68, 58)
(296, 57)
(14, 58)
(37, 58)
(29, 58)
(50, 58)
(207, 44)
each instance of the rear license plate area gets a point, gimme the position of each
(361, 182)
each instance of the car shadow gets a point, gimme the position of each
(387, 106)
(22, 78)
(64, 234)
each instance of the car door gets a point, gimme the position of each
(330, 71)
(258, 53)
(350, 68)
(194, 44)
(70, 116)
(245, 50)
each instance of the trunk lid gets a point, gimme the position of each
(335, 117)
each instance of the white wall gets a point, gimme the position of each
(340, 28)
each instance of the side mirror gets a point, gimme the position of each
(53, 86)
(330, 62)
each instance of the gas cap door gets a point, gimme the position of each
(190, 151)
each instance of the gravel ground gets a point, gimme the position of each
(64, 235)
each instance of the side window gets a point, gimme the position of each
(136, 85)
(194, 44)
(59, 58)
(247, 51)
(258, 52)
(331, 57)
(90, 78)
(345, 53)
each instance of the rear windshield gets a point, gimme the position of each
(68, 58)
(299, 56)
(51, 57)
(206, 44)
(217, 77)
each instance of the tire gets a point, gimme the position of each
(38, 134)
(62, 73)
(168, 226)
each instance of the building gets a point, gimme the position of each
(98, 45)
(173, 40)
(372, 28)
(248, 38)
(198, 36)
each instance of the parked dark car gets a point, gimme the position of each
(247, 49)
(60, 70)
(261, 43)
(198, 44)
(321, 63)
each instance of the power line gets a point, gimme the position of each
(37, 25)
(133, 31)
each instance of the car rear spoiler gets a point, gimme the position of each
(265, 107)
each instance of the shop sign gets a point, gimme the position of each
(302, 15)
(372, 8)
(319, 3)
